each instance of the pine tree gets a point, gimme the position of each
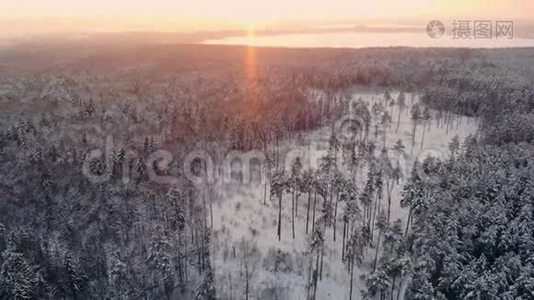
(19, 278)
(381, 225)
(307, 186)
(316, 246)
(385, 121)
(425, 117)
(377, 284)
(74, 278)
(388, 173)
(248, 265)
(401, 102)
(278, 186)
(206, 291)
(454, 147)
(160, 260)
(416, 116)
(295, 183)
(354, 255)
(412, 195)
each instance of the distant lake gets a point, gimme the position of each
(367, 39)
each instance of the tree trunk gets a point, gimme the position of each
(279, 217)
(408, 222)
(351, 276)
(423, 138)
(211, 215)
(293, 214)
(316, 277)
(376, 129)
(398, 120)
(343, 240)
(370, 214)
(393, 288)
(308, 211)
(447, 124)
(385, 136)
(308, 286)
(246, 289)
(335, 215)
(373, 217)
(322, 258)
(186, 279)
(389, 187)
(399, 288)
(377, 248)
(265, 193)
(297, 204)
(322, 252)
(313, 212)
(413, 136)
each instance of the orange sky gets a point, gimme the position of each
(168, 15)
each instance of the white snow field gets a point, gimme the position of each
(281, 267)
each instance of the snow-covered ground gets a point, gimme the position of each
(281, 267)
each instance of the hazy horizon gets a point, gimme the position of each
(29, 17)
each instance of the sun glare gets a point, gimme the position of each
(251, 31)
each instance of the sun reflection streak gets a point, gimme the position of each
(251, 68)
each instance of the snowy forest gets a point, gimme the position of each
(154, 171)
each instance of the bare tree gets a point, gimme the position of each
(247, 272)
